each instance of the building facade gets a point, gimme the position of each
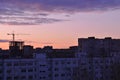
(93, 59)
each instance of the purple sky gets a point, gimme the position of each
(31, 12)
(59, 22)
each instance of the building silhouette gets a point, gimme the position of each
(16, 48)
(92, 59)
(99, 59)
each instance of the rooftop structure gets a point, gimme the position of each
(99, 47)
(16, 48)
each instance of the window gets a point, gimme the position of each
(96, 62)
(30, 63)
(68, 68)
(44, 77)
(30, 77)
(56, 69)
(23, 64)
(90, 67)
(30, 70)
(106, 67)
(62, 62)
(101, 78)
(23, 70)
(68, 74)
(56, 63)
(49, 69)
(9, 78)
(49, 75)
(96, 67)
(16, 64)
(16, 78)
(40, 77)
(68, 62)
(101, 67)
(74, 62)
(35, 76)
(23, 77)
(42, 65)
(96, 72)
(9, 64)
(111, 61)
(90, 62)
(1, 78)
(62, 74)
(35, 69)
(42, 71)
(56, 75)
(1, 64)
(9, 71)
(101, 61)
(1, 71)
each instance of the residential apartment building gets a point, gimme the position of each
(42, 66)
(93, 59)
(102, 58)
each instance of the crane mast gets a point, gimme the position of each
(13, 35)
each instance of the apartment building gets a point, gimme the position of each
(93, 59)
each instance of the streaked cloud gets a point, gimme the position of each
(38, 42)
(27, 12)
(3, 40)
(26, 20)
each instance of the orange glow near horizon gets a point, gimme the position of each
(65, 33)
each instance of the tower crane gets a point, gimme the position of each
(16, 47)
(13, 35)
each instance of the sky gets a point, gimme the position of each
(58, 23)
